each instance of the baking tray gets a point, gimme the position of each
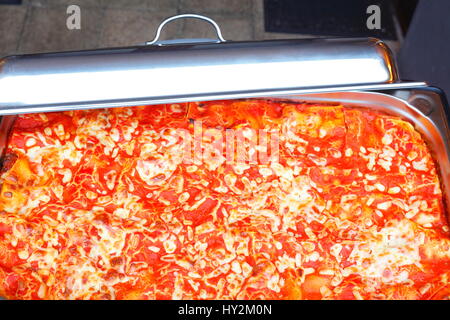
(431, 122)
(425, 107)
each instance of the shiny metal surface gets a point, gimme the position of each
(156, 74)
(212, 96)
(184, 16)
(6, 124)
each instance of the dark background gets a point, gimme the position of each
(422, 29)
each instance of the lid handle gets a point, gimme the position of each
(183, 16)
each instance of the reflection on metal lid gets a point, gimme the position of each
(163, 73)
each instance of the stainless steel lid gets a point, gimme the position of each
(160, 72)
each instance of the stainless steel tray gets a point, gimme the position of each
(79, 76)
(192, 70)
(429, 117)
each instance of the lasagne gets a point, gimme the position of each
(242, 199)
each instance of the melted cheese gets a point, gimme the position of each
(103, 204)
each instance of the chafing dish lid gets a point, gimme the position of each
(163, 73)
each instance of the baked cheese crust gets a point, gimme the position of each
(101, 204)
